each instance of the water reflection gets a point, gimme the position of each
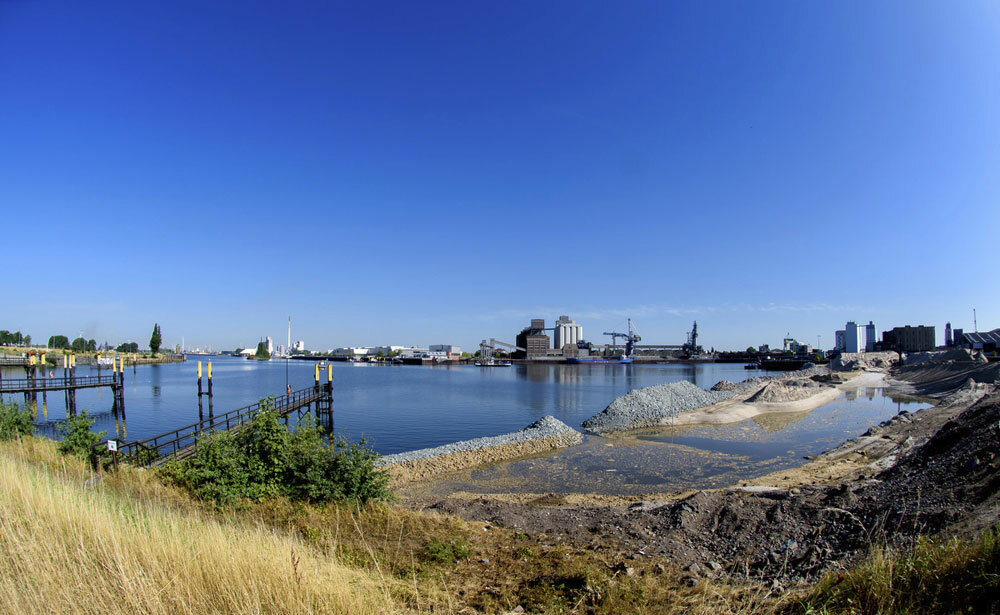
(690, 456)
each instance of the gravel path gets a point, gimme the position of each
(544, 428)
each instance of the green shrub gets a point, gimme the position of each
(443, 552)
(76, 437)
(266, 460)
(15, 422)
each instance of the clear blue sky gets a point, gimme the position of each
(417, 173)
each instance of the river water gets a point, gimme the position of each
(402, 408)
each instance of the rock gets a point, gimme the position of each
(715, 566)
(518, 609)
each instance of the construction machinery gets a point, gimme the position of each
(486, 350)
(631, 339)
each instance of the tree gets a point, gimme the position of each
(127, 347)
(91, 345)
(79, 345)
(262, 353)
(27, 340)
(155, 340)
(751, 350)
(59, 342)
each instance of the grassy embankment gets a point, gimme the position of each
(130, 544)
(141, 358)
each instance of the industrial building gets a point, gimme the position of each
(988, 341)
(854, 337)
(909, 339)
(871, 337)
(840, 340)
(533, 340)
(566, 333)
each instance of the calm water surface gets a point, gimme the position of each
(397, 408)
(401, 408)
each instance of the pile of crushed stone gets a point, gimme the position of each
(649, 406)
(544, 428)
(725, 385)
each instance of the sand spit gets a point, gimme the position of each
(543, 435)
(683, 403)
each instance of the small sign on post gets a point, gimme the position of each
(113, 447)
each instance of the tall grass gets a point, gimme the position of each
(930, 576)
(65, 548)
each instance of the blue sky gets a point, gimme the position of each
(420, 173)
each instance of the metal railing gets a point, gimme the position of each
(7, 360)
(18, 385)
(182, 441)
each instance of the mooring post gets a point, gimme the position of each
(121, 387)
(209, 380)
(135, 359)
(199, 380)
(72, 391)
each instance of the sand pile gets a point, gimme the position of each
(956, 355)
(849, 361)
(782, 391)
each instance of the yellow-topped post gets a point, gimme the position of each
(329, 372)
(317, 374)
(210, 385)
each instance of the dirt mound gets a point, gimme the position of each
(940, 379)
(956, 355)
(724, 385)
(848, 361)
(778, 391)
(945, 474)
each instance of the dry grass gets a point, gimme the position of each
(128, 546)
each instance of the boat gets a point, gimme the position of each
(492, 363)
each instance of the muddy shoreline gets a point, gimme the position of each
(930, 471)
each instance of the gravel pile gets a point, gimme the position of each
(648, 406)
(543, 428)
(725, 385)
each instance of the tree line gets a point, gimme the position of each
(62, 342)
(14, 339)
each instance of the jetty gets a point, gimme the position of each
(184, 441)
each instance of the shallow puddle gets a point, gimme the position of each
(670, 459)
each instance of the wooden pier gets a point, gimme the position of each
(37, 381)
(183, 441)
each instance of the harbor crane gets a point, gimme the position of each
(631, 338)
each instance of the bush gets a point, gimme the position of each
(266, 460)
(76, 437)
(15, 422)
(449, 552)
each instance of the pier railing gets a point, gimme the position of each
(182, 442)
(20, 385)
